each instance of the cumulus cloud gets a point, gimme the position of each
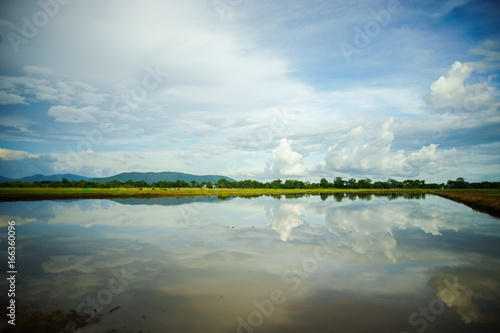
(285, 161)
(429, 157)
(8, 155)
(369, 150)
(450, 92)
(68, 114)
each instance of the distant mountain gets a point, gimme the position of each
(53, 178)
(153, 177)
(149, 177)
(40, 178)
(5, 179)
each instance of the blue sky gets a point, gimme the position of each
(251, 88)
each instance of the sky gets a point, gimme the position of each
(251, 89)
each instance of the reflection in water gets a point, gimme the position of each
(269, 264)
(285, 217)
(472, 292)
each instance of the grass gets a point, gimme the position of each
(486, 201)
(17, 194)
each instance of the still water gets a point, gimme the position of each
(342, 263)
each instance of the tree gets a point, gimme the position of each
(221, 183)
(141, 183)
(407, 183)
(393, 183)
(288, 184)
(324, 183)
(365, 183)
(459, 183)
(380, 185)
(338, 182)
(352, 183)
(276, 183)
(82, 183)
(210, 185)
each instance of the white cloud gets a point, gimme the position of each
(368, 151)
(285, 161)
(18, 164)
(68, 114)
(38, 70)
(8, 98)
(29, 84)
(450, 92)
(8, 155)
(490, 51)
(56, 88)
(429, 158)
(92, 98)
(449, 6)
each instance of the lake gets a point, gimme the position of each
(329, 263)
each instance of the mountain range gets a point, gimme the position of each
(149, 177)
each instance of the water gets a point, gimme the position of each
(263, 264)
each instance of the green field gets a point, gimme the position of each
(487, 201)
(15, 194)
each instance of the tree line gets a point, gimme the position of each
(336, 183)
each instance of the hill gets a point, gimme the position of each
(41, 178)
(152, 177)
(149, 177)
(5, 179)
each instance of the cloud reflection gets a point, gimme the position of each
(285, 217)
(226, 254)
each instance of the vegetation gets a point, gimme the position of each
(337, 183)
(483, 196)
(486, 201)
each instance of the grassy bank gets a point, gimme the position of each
(27, 194)
(486, 201)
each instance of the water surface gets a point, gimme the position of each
(331, 263)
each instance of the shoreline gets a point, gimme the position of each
(485, 201)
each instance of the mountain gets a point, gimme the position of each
(152, 177)
(149, 177)
(5, 179)
(40, 178)
(53, 178)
